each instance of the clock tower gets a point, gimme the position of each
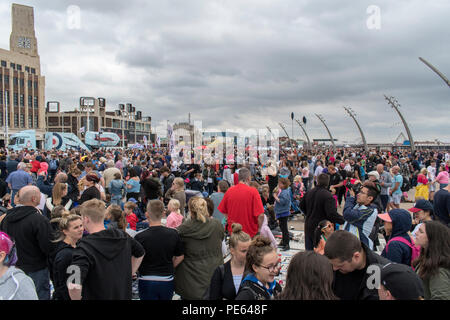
(23, 39)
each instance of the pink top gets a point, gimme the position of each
(442, 177)
(174, 220)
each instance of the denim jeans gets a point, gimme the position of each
(41, 281)
(156, 290)
(116, 199)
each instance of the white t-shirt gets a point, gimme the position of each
(318, 171)
(431, 172)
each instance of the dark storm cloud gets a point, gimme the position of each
(250, 63)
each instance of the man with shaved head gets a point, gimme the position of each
(18, 179)
(32, 234)
(385, 183)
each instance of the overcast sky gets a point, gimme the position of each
(250, 63)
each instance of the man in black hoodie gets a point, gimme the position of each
(32, 234)
(103, 262)
(318, 204)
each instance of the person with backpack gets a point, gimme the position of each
(400, 247)
(227, 277)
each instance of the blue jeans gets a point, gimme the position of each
(116, 199)
(384, 200)
(41, 281)
(156, 290)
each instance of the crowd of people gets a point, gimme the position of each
(127, 223)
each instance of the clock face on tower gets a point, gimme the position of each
(24, 42)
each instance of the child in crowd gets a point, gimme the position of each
(115, 218)
(175, 218)
(129, 214)
(282, 210)
(321, 234)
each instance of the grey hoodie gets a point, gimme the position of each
(16, 285)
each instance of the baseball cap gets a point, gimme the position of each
(374, 173)
(385, 217)
(402, 281)
(421, 204)
(132, 200)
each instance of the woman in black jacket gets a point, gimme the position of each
(261, 268)
(91, 192)
(72, 181)
(227, 278)
(71, 228)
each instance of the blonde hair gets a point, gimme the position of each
(174, 204)
(57, 193)
(179, 182)
(423, 171)
(238, 235)
(297, 178)
(130, 205)
(64, 224)
(198, 209)
(94, 209)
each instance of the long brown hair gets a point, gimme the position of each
(309, 277)
(57, 193)
(437, 253)
(259, 247)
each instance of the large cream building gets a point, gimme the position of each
(22, 87)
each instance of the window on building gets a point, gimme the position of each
(16, 120)
(6, 78)
(30, 101)
(19, 67)
(30, 121)
(35, 102)
(30, 83)
(1, 118)
(16, 81)
(22, 121)
(22, 83)
(12, 65)
(33, 70)
(35, 84)
(16, 99)
(27, 69)
(36, 121)
(22, 100)
(4, 64)
(7, 98)
(1, 97)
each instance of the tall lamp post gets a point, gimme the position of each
(395, 105)
(87, 103)
(352, 114)
(329, 133)
(435, 70)
(304, 131)
(6, 104)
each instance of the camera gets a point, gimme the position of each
(355, 187)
